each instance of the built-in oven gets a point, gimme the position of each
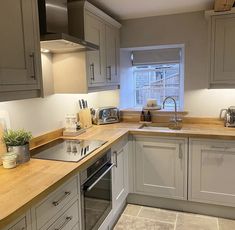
(96, 192)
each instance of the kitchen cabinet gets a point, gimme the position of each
(222, 51)
(161, 167)
(211, 171)
(20, 66)
(120, 174)
(59, 208)
(83, 72)
(21, 223)
(95, 33)
(112, 54)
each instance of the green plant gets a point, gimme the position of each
(16, 137)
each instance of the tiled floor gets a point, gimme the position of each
(137, 217)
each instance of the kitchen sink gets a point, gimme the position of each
(161, 128)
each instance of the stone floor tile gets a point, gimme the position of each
(136, 223)
(132, 210)
(187, 221)
(158, 214)
(225, 224)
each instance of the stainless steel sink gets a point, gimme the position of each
(161, 128)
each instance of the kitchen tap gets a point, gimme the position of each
(177, 121)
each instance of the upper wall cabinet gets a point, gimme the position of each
(112, 54)
(95, 33)
(222, 51)
(92, 70)
(20, 66)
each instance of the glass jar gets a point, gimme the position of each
(9, 160)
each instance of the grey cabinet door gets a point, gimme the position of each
(19, 57)
(211, 172)
(120, 176)
(112, 54)
(95, 33)
(161, 167)
(223, 51)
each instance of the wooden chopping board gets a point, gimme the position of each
(3, 148)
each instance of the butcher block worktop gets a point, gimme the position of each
(25, 185)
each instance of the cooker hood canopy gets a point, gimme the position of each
(54, 28)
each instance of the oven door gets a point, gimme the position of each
(97, 198)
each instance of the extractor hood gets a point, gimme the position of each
(54, 29)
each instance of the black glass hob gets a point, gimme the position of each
(66, 150)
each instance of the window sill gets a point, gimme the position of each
(162, 111)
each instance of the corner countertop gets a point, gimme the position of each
(25, 185)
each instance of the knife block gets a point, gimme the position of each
(84, 117)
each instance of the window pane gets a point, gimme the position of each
(158, 81)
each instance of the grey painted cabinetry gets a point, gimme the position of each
(95, 33)
(222, 53)
(112, 54)
(20, 66)
(211, 171)
(103, 65)
(92, 70)
(120, 174)
(21, 223)
(161, 167)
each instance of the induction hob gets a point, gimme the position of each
(66, 150)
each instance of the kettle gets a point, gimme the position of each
(229, 116)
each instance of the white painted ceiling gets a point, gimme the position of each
(126, 9)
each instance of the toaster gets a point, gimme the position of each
(229, 117)
(105, 115)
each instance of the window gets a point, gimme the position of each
(159, 82)
(152, 73)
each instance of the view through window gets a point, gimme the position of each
(158, 81)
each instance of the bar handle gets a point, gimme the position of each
(56, 203)
(92, 71)
(67, 220)
(116, 158)
(32, 57)
(103, 174)
(109, 73)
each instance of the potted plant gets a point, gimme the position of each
(17, 141)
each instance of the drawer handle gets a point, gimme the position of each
(67, 219)
(56, 203)
(116, 158)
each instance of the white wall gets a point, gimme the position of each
(190, 29)
(46, 114)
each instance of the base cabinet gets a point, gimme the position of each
(161, 167)
(212, 171)
(21, 223)
(120, 173)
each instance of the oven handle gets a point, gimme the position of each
(87, 189)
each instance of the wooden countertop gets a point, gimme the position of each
(191, 130)
(25, 185)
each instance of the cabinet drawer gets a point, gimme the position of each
(67, 220)
(46, 209)
(21, 225)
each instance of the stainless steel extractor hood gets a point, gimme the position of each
(54, 28)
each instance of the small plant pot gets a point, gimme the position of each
(22, 152)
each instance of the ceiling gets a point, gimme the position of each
(126, 9)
